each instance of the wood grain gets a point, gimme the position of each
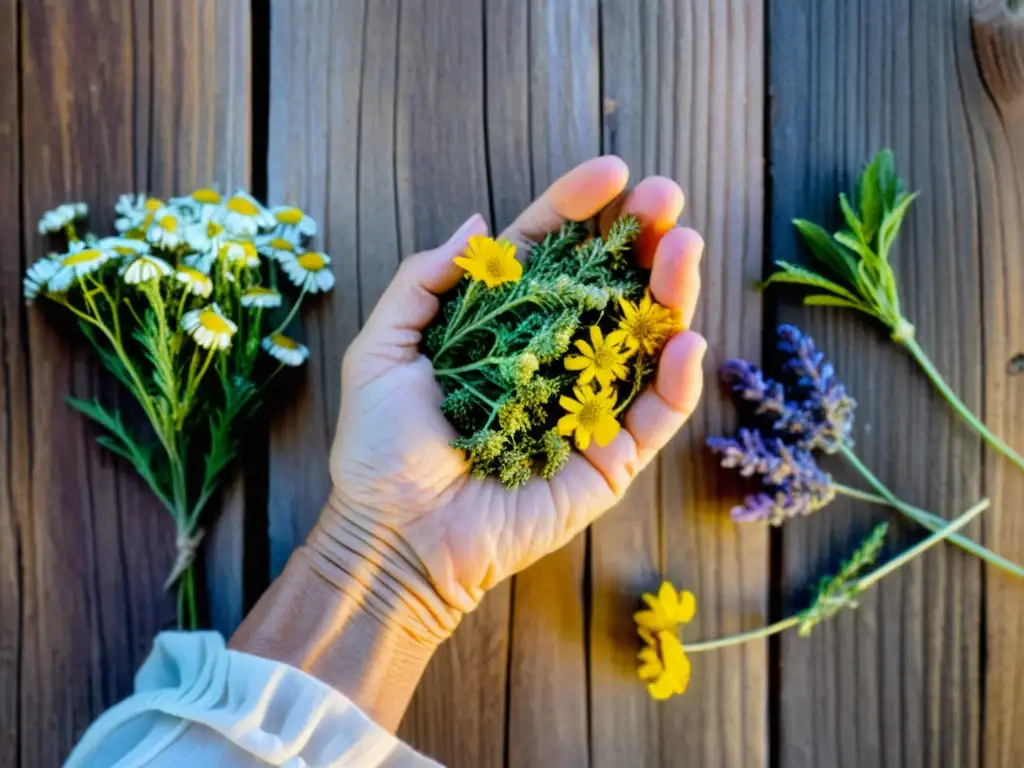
(548, 721)
(81, 632)
(682, 96)
(996, 128)
(897, 683)
(15, 386)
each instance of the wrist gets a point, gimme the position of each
(373, 564)
(353, 609)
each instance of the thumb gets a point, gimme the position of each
(410, 302)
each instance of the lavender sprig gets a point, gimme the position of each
(799, 486)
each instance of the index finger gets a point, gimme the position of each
(577, 196)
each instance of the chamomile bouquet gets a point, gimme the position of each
(187, 305)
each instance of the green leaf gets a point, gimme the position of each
(855, 245)
(826, 250)
(889, 185)
(795, 275)
(891, 225)
(828, 300)
(852, 221)
(870, 198)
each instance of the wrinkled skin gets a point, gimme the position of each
(391, 463)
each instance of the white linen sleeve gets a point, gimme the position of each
(197, 703)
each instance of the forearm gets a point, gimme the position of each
(354, 609)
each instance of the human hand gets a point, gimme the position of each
(405, 520)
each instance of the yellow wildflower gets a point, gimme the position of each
(663, 665)
(603, 359)
(647, 325)
(591, 414)
(492, 261)
(667, 609)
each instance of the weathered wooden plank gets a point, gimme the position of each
(398, 161)
(898, 681)
(682, 98)
(312, 161)
(994, 93)
(15, 385)
(78, 635)
(441, 170)
(201, 136)
(548, 719)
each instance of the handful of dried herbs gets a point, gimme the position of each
(531, 354)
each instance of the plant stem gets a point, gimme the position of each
(879, 573)
(295, 308)
(975, 423)
(920, 516)
(469, 366)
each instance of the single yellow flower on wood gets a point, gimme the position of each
(603, 359)
(667, 609)
(491, 261)
(663, 665)
(590, 415)
(647, 325)
(663, 662)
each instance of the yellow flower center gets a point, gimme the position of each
(242, 206)
(282, 341)
(206, 196)
(311, 261)
(82, 257)
(280, 244)
(590, 415)
(213, 229)
(605, 356)
(495, 266)
(214, 322)
(168, 223)
(193, 275)
(123, 250)
(260, 291)
(289, 216)
(153, 204)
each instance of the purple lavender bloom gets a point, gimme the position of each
(828, 399)
(799, 486)
(749, 382)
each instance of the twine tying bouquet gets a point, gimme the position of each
(187, 306)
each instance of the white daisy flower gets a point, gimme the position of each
(145, 268)
(76, 264)
(310, 270)
(195, 281)
(291, 216)
(166, 229)
(203, 235)
(135, 212)
(285, 349)
(235, 251)
(38, 275)
(260, 297)
(61, 216)
(123, 246)
(209, 327)
(244, 216)
(276, 247)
